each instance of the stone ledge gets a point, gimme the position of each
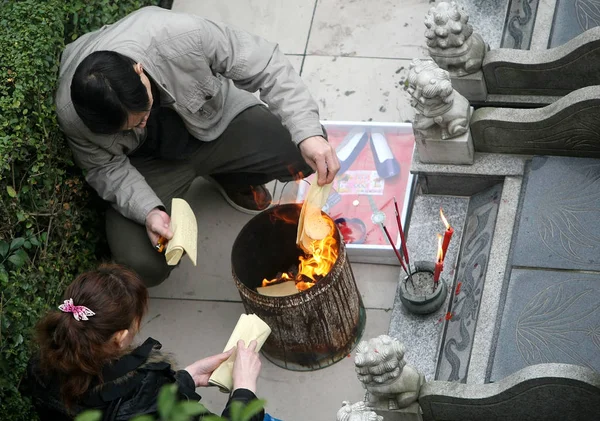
(486, 164)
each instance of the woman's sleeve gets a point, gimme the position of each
(186, 386)
(245, 396)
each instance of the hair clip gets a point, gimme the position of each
(79, 312)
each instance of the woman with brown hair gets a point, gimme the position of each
(86, 361)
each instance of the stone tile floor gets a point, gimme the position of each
(354, 57)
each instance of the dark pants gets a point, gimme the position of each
(253, 150)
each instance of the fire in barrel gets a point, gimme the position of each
(319, 318)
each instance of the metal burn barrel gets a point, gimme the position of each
(314, 328)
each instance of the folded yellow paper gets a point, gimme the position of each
(185, 233)
(249, 328)
(279, 290)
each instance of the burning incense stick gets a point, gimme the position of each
(399, 222)
(389, 237)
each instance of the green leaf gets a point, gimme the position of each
(166, 400)
(213, 418)
(235, 410)
(17, 243)
(91, 415)
(3, 248)
(33, 240)
(178, 415)
(3, 276)
(27, 244)
(143, 418)
(252, 409)
(190, 408)
(16, 260)
(11, 192)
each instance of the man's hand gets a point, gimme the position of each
(246, 367)
(202, 369)
(158, 224)
(321, 157)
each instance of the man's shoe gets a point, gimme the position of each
(247, 199)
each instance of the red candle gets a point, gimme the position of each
(439, 264)
(447, 234)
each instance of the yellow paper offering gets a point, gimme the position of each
(185, 233)
(248, 328)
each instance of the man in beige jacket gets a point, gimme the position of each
(158, 99)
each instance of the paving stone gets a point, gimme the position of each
(549, 317)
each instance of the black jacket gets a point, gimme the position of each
(131, 385)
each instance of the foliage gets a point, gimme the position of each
(169, 409)
(49, 229)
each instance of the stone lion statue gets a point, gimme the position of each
(356, 412)
(381, 369)
(451, 41)
(435, 102)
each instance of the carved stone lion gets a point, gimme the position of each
(381, 368)
(435, 102)
(356, 412)
(451, 41)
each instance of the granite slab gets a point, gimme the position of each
(487, 18)
(549, 317)
(465, 299)
(421, 333)
(572, 18)
(489, 309)
(559, 222)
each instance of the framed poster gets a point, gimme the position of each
(375, 163)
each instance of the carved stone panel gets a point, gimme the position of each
(549, 316)
(470, 277)
(518, 28)
(568, 127)
(559, 225)
(573, 17)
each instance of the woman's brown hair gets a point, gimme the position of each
(76, 351)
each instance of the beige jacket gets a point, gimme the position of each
(203, 70)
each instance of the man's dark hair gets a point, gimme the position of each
(105, 89)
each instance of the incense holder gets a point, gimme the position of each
(422, 296)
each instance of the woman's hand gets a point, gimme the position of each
(202, 369)
(246, 367)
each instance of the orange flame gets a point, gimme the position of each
(440, 252)
(315, 265)
(444, 220)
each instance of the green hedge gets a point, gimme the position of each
(49, 224)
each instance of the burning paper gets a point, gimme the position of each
(316, 238)
(312, 225)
